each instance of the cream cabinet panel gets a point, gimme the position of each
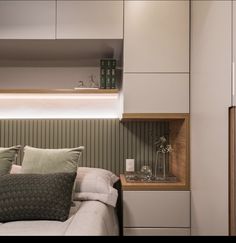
(90, 19)
(211, 35)
(156, 36)
(27, 19)
(233, 93)
(147, 209)
(156, 93)
(157, 231)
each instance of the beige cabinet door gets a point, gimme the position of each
(27, 19)
(156, 36)
(155, 93)
(90, 19)
(153, 209)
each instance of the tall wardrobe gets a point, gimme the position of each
(213, 48)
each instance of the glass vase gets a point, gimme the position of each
(164, 166)
(161, 166)
(156, 167)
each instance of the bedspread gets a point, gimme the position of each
(86, 218)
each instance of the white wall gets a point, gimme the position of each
(210, 98)
(46, 77)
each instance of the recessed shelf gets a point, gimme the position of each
(59, 91)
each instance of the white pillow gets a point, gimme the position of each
(15, 169)
(91, 184)
(96, 184)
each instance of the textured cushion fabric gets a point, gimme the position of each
(91, 184)
(96, 184)
(7, 157)
(36, 196)
(38, 160)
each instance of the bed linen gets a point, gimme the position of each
(87, 218)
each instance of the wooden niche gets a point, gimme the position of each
(179, 157)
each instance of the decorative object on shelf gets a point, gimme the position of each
(146, 173)
(80, 84)
(161, 170)
(91, 83)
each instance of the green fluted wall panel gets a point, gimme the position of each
(108, 142)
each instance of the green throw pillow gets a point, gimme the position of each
(38, 160)
(7, 157)
(35, 196)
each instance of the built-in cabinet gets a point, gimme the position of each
(156, 93)
(155, 79)
(61, 19)
(147, 211)
(39, 39)
(90, 19)
(156, 36)
(156, 57)
(27, 19)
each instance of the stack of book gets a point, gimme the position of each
(108, 74)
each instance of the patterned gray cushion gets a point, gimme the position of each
(36, 196)
(7, 156)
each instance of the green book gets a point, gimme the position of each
(108, 73)
(108, 78)
(113, 74)
(103, 64)
(113, 63)
(109, 63)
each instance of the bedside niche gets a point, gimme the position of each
(179, 158)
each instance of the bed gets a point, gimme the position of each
(86, 218)
(86, 202)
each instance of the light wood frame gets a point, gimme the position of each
(179, 124)
(232, 171)
(153, 116)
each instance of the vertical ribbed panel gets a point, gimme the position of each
(108, 142)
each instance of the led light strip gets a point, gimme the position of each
(60, 117)
(58, 96)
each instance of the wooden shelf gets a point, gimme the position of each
(154, 116)
(59, 91)
(157, 186)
